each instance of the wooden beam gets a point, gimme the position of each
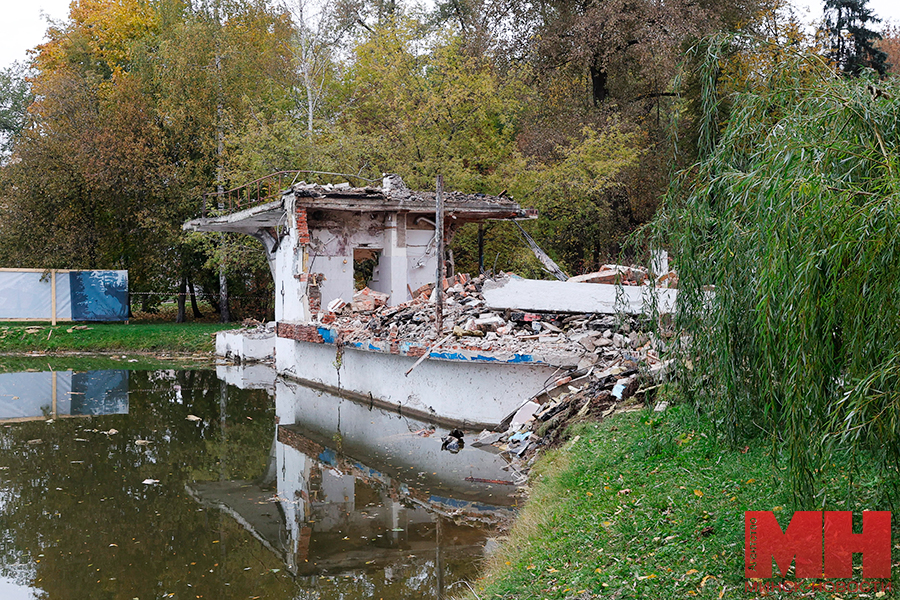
(439, 235)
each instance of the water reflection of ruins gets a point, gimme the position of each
(356, 492)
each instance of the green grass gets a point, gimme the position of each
(110, 337)
(648, 505)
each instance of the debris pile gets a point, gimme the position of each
(573, 340)
(609, 363)
(541, 421)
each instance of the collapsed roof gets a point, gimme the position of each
(392, 196)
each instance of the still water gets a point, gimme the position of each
(153, 483)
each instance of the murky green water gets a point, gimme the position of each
(145, 484)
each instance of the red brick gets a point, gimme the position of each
(299, 332)
(302, 227)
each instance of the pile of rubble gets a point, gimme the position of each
(613, 363)
(579, 341)
(540, 422)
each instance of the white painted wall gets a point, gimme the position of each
(566, 296)
(388, 443)
(330, 253)
(293, 476)
(476, 392)
(421, 264)
(243, 347)
(254, 376)
(290, 293)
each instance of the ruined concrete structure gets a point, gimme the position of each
(314, 235)
(501, 341)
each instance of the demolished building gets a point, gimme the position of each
(314, 235)
(383, 349)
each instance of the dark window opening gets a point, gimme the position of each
(365, 267)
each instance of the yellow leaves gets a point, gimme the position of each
(650, 576)
(750, 481)
(684, 438)
(692, 571)
(552, 570)
(705, 579)
(698, 493)
(110, 27)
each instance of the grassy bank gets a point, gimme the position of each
(648, 505)
(110, 337)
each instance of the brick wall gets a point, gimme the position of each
(299, 332)
(302, 226)
(297, 441)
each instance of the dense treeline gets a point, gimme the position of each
(135, 108)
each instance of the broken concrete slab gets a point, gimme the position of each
(524, 414)
(488, 438)
(612, 274)
(368, 300)
(563, 296)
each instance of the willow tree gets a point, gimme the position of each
(786, 236)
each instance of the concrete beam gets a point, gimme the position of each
(565, 296)
(244, 221)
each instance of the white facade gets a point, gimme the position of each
(314, 235)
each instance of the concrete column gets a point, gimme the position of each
(291, 303)
(394, 264)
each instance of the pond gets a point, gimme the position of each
(124, 480)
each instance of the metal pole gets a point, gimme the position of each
(480, 248)
(53, 296)
(439, 234)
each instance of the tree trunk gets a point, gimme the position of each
(224, 314)
(599, 83)
(182, 292)
(194, 307)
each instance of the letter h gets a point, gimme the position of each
(874, 543)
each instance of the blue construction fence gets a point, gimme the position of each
(63, 295)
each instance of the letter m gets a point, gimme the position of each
(766, 541)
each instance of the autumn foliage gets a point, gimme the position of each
(139, 107)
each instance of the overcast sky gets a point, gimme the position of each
(24, 22)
